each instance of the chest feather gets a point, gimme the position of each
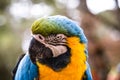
(74, 70)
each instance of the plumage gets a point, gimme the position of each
(57, 51)
(74, 70)
(56, 25)
(26, 69)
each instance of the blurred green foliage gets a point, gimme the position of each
(4, 4)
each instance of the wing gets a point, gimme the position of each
(25, 69)
(16, 66)
(87, 75)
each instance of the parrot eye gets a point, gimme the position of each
(56, 39)
(59, 37)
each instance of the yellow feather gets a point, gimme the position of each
(74, 70)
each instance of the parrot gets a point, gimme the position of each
(57, 51)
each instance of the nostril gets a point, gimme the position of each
(40, 37)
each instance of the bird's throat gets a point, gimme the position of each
(74, 70)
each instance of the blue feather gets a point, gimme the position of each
(88, 73)
(71, 26)
(26, 69)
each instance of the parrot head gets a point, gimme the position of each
(49, 44)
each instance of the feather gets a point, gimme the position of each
(26, 69)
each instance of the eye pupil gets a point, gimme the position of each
(58, 37)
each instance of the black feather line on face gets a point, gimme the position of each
(44, 55)
(57, 63)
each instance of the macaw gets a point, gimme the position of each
(57, 51)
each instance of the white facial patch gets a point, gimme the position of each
(55, 43)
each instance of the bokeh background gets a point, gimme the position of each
(100, 20)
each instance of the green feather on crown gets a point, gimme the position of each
(57, 25)
(46, 27)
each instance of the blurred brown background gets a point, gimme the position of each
(100, 20)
